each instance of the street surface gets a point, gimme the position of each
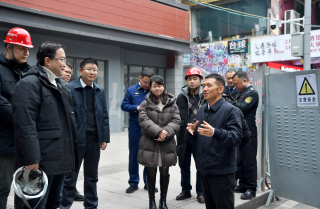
(113, 181)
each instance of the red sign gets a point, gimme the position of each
(284, 67)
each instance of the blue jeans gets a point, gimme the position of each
(7, 169)
(184, 165)
(52, 198)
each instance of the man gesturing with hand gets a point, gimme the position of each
(217, 131)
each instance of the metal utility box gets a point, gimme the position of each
(297, 45)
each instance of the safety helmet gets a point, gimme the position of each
(29, 184)
(20, 37)
(193, 71)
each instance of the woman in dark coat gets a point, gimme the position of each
(160, 121)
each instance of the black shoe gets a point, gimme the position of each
(78, 197)
(131, 189)
(200, 198)
(239, 189)
(146, 188)
(152, 204)
(183, 196)
(248, 195)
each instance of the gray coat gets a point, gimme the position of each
(152, 121)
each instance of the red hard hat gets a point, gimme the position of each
(20, 37)
(193, 71)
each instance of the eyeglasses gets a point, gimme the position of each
(63, 59)
(93, 70)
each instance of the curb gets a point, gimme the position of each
(260, 200)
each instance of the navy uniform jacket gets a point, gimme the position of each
(135, 95)
(234, 94)
(217, 155)
(247, 102)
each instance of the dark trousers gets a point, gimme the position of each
(90, 154)
(51, 199)
(184, 165)
(7, 169)
(219, 191)
(134, 137)
(247, 168)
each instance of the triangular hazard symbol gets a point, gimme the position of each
(306, 88)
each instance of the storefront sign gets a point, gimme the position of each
(288, 68)
(278, 48)
(307, 91)
(238, 46)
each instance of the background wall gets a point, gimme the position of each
(214, 58)
(140, 15)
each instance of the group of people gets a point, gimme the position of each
(51, 125)
(212, 121)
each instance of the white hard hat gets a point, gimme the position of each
(29, 184)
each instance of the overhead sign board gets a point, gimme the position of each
(278, 48)
(238, 46)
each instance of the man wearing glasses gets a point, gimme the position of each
(44, 124)
(131, 103)
(93, 134)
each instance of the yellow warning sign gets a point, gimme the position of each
(306, 88)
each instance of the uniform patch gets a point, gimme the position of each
(242, 97)
(248, 99)
(136, 94)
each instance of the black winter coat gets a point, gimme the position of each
(10, 73)
(182, 103)
(217, 155)
(44, 124)
(152, 120)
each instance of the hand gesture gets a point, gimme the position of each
(206, 130)
(162, 135)
(191, 127)
(138, 108)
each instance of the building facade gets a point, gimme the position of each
(124, 36)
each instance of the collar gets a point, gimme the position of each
(51, 76)
(248, 86)
(216, 105)
(139, 87)
(83, 84)
(234, 88)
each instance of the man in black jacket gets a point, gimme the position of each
(247, 101)
(44, 123)
(189, 101)
(12, 65)
(217, 131)
(230, 89)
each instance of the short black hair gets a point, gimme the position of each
(69, 65)
(242, 74)
(146, 72)
(231, 71)
(47, 49)
(219, 79)
(88, 60)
